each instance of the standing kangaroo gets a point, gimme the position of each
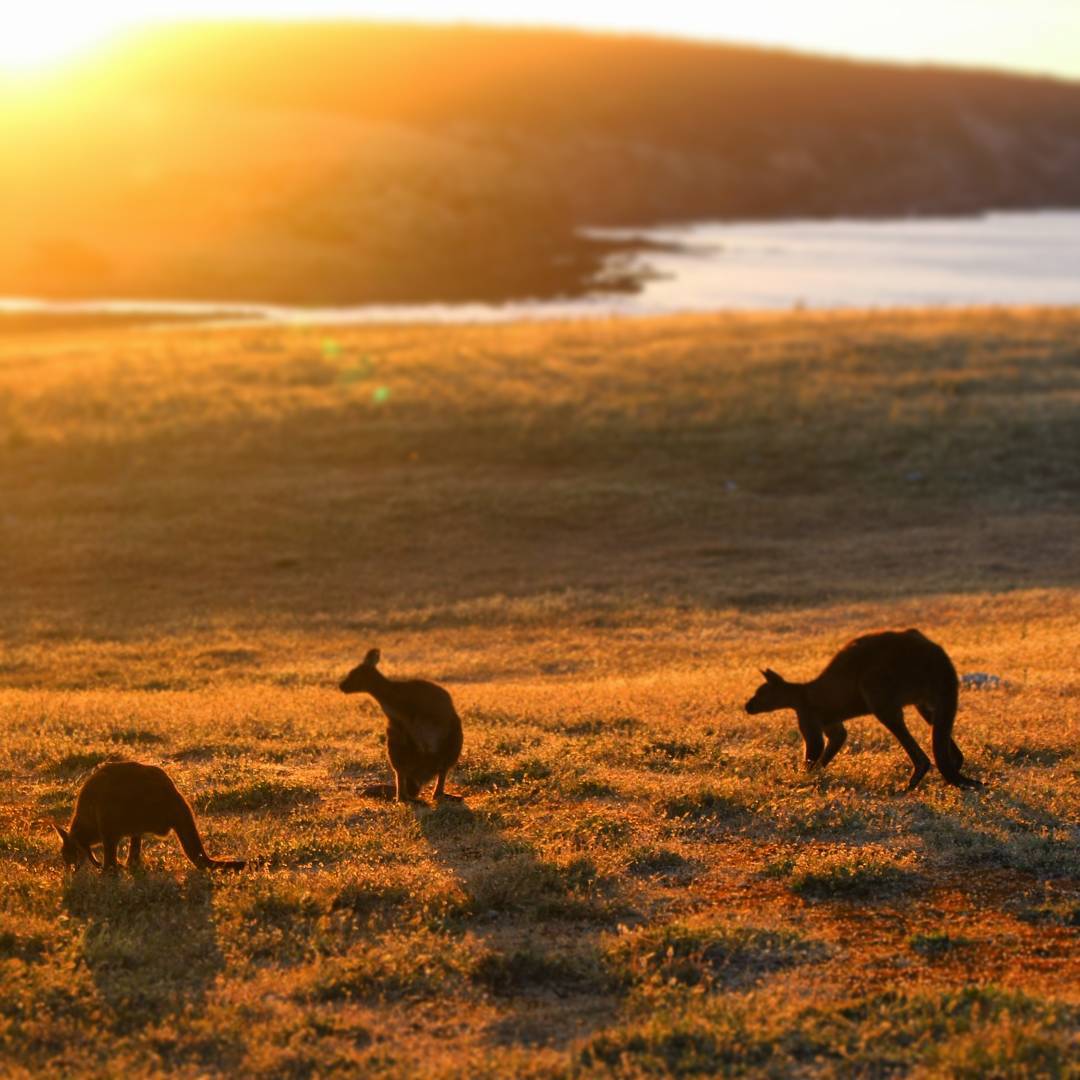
(127, 798)
(423, 729)
(878, 674)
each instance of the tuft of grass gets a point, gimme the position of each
(850, 873)
(604, 726)
(402, 966)
(366, 902)
(677, 1047)
(707, 805)
(27, 947)
(662, 754)
(594, 829)
(591, 788)
(937, 944)
(74, 765)
(130, 736)
(534, 968)
(1061, 913)
(708, 955)
(661, 862)
(257, 795)
(845, 815)
(519, 883)
(975, 1032)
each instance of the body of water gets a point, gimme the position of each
(1000, 258)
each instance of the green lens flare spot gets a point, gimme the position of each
(357, 372)
(380, 395)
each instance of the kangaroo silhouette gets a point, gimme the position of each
(127, 798)
(423, 729)
(875, 674)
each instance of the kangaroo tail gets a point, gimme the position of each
(191, 842)
(225, 864)
(379, 791)
(944, 718)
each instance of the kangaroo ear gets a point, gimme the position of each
(771, 676)
(373, 657)
(62, 833)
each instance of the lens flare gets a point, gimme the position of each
(33, 39)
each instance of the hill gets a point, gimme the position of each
(346, 163)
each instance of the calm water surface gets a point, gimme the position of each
(1001, 258)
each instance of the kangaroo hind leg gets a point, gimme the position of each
(441, 792)
(109, 844)
(892, 716)
(957, 755)
(947, 754)
(406, 789)
(945, 750)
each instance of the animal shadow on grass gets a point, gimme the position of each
(539, 923)
(150, 942)
(1015, 836)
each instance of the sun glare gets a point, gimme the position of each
(33, 41)
(40, 35)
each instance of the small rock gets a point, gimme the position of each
(980, 680)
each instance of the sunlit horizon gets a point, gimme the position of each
(1037, 38)
(37, 41)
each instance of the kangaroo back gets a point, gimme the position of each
(191, 842)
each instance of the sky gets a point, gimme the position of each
(1036, 36)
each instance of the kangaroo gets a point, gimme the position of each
(423, 730)
(127, 798)
(879, 674)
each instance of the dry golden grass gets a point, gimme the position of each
(593, 535)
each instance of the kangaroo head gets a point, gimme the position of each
(363, 676)
(72, 852)
(774, 693)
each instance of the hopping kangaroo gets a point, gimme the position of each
(423, 729)
(127, 798)
(878, 674)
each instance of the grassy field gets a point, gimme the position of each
(593, 535)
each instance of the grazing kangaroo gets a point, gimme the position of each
(878, 674)
(127, 798)
(423, 730)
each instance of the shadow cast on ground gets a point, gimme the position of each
(539, 921)
(143, 921)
